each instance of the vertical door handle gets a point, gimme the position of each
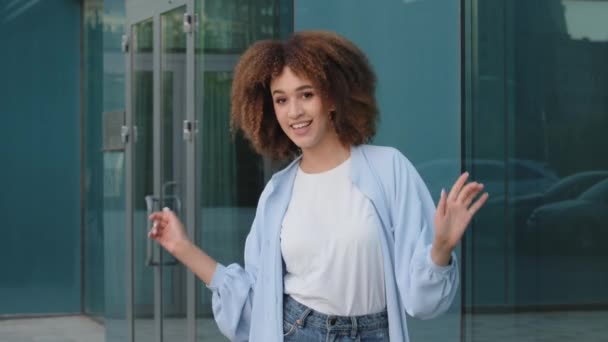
(152, 204)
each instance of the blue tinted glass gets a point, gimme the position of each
(114, 247)
(40, 138)
(93, 173)
(536, 104)
(414, 49)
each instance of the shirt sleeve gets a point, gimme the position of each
(233, 288)
(426, 289)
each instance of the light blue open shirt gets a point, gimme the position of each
(248, 302)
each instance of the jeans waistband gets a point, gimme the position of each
(301, 315)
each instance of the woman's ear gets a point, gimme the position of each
(332, 108)
(330, 104)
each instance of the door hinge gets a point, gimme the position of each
(188, 23)
(124, 134)
(190, 129)
(125, 43)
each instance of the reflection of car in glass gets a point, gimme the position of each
(567, 188)
(577, 226)
(526, 176)
(572, 186)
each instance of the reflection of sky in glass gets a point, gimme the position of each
(15, 8)
(586, 19)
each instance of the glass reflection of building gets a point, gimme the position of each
(513, 91)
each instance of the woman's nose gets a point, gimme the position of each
(294, 110)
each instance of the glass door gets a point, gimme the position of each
(229, 175)
(142, 178)
(182, 155)
(159, 155)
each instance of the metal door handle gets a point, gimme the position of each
(152, 205)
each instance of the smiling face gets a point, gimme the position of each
(301, 112)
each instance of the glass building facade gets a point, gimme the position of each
(115, 108)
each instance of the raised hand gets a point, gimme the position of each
(167, 230)
(454, 213)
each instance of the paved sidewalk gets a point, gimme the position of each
(52, 329)
(584, 326)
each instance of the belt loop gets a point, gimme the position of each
(353, 327)
(300, 322)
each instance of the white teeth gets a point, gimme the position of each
(301, 125)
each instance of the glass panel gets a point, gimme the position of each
(537, 112)
(231, 25)
(414, 48)
(41, 143)
(142, 88)
(110, 15)
(173, 156)
(231, 176)
(94, 160)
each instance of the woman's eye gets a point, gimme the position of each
(279, 100)
(308, 95)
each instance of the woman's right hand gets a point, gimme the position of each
(167, 230)
(170, 233)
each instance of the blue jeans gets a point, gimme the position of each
(303, 324)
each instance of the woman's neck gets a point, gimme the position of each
(324, 158)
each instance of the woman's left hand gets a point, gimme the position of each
(454, 213)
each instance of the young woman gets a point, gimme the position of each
(346, 239)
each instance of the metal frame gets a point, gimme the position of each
(157, 162)
(469, 89)
(130, 159)
(191, 204)
(139, 10)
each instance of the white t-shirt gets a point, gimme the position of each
(330, 242)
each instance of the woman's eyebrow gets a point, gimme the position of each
(300, 88)
(304, 87)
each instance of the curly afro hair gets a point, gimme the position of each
(335, 66)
